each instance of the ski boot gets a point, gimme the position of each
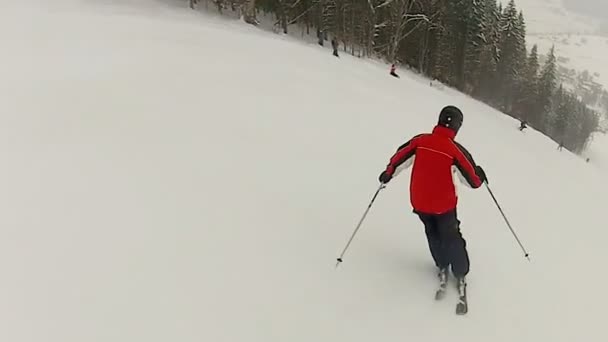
(443, 283)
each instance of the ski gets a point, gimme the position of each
(440, 293)
(462, 307)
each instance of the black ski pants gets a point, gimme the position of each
(446, 243)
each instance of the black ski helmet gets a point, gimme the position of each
(451, 117)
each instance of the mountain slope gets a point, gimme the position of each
(581, 66)
(176, 177)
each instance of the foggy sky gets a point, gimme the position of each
(595, 8)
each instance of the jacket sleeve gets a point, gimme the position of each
(403, 158)
(464, 162)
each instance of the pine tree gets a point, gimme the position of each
(446, 47)
(521, 39)
(563, 108)
(589, 123)
(475, 43)
(532, 65)
(511, 55)
(520, 60)
(529, 95)
(490, 54)
(546, 89)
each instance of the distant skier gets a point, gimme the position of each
(433, 194)
(523, 125)
(393, 70)
(320, 37)
(334, 45)
(560, 146)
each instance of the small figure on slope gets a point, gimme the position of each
(334, 45)
(560, 146)
(523, 125)
(393, 70)
(320, 37)
(433, 193)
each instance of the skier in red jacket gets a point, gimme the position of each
(432, 191)
(394, 70)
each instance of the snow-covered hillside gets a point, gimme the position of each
(577, 42)
(171, 176)
(582, 66)
(597, 152)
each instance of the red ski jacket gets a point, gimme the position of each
(432, 189)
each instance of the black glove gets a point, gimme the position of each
(385, 177)
(481, 174)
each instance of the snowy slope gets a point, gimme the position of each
(598, 152)
(169, 176)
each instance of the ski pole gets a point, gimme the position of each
(526, 254)
(382, 186)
